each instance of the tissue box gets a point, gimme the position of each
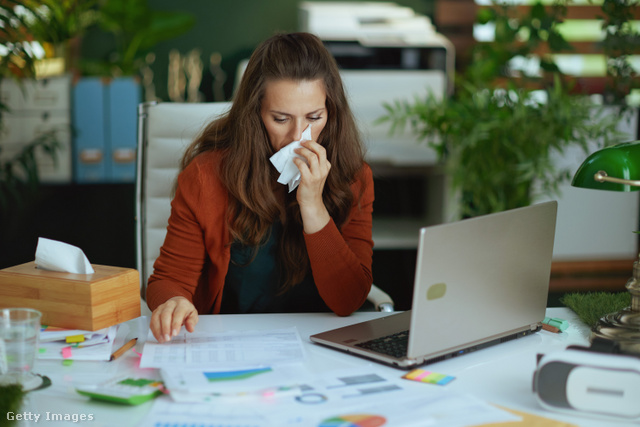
(76, 301)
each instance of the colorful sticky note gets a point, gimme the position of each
(424, 376)
(66, 352)
(74, 338)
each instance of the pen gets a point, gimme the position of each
(119, 352)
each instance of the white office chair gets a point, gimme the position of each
(164, 131)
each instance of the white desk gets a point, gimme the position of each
(500, 374)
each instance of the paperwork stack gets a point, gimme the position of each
(74, 344)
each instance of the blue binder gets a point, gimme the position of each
(124, 95)
(88, 131)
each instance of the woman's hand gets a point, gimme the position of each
(168, 318)
(313, 175)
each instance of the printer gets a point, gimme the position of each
(386, 53)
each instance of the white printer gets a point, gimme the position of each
(386, 52)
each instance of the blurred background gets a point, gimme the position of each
(73, 72)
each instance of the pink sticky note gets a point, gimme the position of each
(66, 352)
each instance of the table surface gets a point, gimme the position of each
(501, 374)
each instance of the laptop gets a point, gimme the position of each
(478, 282)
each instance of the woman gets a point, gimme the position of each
(237, 240)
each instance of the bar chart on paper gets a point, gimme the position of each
(239, 374)
(354, 420)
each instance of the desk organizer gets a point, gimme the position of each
(89, 302)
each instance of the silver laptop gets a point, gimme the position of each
(478, 282)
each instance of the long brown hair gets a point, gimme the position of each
(242, 138)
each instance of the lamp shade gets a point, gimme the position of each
(618, 163)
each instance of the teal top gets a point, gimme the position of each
(252, 286)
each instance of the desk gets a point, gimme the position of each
(500, 374)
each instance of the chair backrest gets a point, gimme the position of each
(164, 132)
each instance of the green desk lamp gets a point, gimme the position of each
(617, 168)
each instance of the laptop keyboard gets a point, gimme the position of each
(394, 345)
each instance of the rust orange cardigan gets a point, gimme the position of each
(195, 256)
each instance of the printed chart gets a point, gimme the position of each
(354, 420)
(240, 374)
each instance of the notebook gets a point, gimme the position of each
(478, 282)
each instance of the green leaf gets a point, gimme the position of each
(137, 28)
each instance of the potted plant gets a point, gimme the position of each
(22, 23)
(621, 41)
(58, 25)
(498, 133)
(134, 29)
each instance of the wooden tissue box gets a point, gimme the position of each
(76, 301)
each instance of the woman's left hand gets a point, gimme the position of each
(313, 175)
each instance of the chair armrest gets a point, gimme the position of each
(380, 299)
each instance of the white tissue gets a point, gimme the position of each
(283, 161)
(59, 256)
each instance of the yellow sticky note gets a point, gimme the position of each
(75, 338)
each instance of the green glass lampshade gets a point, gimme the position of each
(620, 164)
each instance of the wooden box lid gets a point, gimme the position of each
(109, 296)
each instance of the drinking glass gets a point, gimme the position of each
(19, 335)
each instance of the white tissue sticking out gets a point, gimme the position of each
(59, 256)
(283, 161)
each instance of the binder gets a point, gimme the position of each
(89, 131)
(124, 95)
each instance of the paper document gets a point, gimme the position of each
(360, 396)
(366, 396)
(97, 345)
(213, 384)
(224, 349)
(53, 333)
(167, 413)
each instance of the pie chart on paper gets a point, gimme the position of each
(354, 420)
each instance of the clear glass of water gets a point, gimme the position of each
(19, 336)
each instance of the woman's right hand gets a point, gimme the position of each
(168, 318)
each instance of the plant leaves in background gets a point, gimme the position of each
(19, 174)
(497, 134)
(137, 28)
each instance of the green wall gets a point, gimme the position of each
(233, 28)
